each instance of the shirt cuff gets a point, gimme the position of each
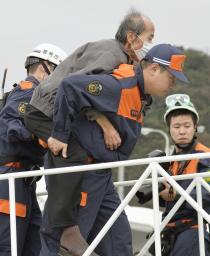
(60, 135)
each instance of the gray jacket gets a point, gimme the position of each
(92, 58)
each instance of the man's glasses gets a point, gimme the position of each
(178, 100)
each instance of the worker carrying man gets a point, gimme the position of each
(133, 39)
(121, 97)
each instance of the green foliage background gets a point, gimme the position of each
(197, 69)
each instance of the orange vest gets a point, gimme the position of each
(130, 105)
(193, 164)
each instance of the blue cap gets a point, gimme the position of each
(170, 57)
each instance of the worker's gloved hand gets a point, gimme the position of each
(57, 147)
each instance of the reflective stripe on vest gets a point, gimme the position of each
(20, 208)
(25, 85)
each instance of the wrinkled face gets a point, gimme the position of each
(182, 129)
(136, 42)
(160, 81)
(146, 36)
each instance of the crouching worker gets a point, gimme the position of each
(121, 97)
(182, 119)
(20, 151)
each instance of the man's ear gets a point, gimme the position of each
(130, 37)
(196, 128)
(155, 66)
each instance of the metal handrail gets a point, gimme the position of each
(153, 167)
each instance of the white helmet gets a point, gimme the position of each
(179, 101)
(47, 52)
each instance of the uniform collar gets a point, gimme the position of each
(33, 80)
(146, 99)
(140, 81)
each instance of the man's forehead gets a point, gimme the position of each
(187, 118)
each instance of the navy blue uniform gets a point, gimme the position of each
(117, 97)
(120, 99)
(187, 241)
(19, 152)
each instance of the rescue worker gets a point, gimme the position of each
(20, 151)
(182, 119)
(121, 97)
(132, 40)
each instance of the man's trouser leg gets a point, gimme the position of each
(102, 201)
(64, 193)
(63, 210)
(187, 244)
(25, 219)
(50, 237)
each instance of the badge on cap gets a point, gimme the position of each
(94, 88)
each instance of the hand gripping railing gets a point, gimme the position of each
(153, 167)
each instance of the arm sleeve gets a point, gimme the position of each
(16, 131)
(73, 97)
(12, 116)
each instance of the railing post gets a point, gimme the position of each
(156, 209)
(117, 212)
(200, 218)
(166, 220)
(13, 232)
(121, 177)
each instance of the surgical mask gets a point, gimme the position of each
(140, 53)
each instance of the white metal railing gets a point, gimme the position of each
(153, 168)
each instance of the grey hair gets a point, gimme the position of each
(133, 21)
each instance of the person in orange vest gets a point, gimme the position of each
(122, 97)
(132, 41)
(20, 151)
(182, 119)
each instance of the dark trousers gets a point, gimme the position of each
(64, 191)
(101, 202)
(28, 225)
(187, 244)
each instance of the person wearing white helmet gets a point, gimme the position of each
(20, 151)
(48, 55)
(182, 120)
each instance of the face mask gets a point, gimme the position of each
(140, 53)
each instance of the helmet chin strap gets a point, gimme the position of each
(185, 147)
